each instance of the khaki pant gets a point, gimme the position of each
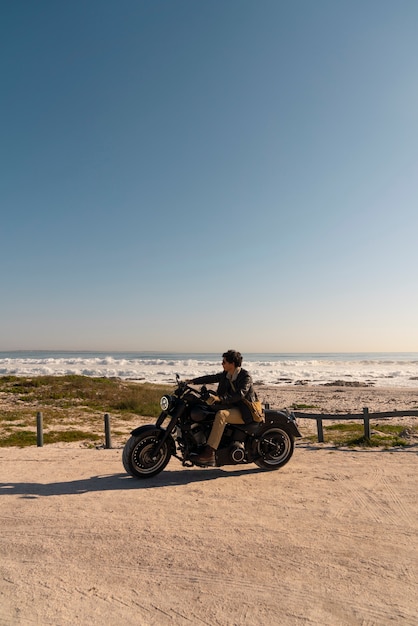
(222, 418)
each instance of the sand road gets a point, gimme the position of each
(331, 538)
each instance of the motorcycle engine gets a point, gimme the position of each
(237, 452)
(198, 434)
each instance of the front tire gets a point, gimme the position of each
(273, 448)
(138, 456)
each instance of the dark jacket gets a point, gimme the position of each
(243, 385)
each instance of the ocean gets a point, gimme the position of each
(379, 369)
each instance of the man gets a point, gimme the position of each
(234, 384)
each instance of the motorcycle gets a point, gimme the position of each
(268, 444)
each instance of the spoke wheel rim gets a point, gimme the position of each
(275, 446)
(143, 458)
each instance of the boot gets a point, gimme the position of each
(206, 457)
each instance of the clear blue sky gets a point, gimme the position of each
(195, 175)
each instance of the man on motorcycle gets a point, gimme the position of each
(234, 384)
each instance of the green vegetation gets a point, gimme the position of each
(297, 407)
(72, 407)
(22, 438)
(19, 438)
(103, 394)
(69, 435)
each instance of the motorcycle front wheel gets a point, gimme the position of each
(273, 448)
(139, 458)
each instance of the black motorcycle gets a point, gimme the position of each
(268, 444)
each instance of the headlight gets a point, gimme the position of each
(165, 403)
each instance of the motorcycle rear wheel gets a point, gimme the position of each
(274, 448)
(138, 456)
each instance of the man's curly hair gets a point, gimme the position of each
(232, 356)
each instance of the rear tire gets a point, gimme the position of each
(273, 448)
(138, 455)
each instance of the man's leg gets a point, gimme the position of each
(222, 418)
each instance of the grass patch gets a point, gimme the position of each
(142, 400)
(376, 441)
(24, 438)
(297, 407)
(11, 417)
(351, 434)
(348, 427)
(390, 429)
(55, 436)
(19, 438)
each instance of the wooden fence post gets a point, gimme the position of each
(320, 430)
(108, 437)
(39, 430)
(366, 423)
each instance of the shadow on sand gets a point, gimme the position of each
(115, 482)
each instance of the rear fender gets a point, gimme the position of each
(281, 418)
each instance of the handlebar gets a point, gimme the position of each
(203, 392)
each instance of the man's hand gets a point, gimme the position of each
(212, 399)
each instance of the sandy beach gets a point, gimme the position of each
(331, 538)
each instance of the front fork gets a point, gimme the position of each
(179, 410)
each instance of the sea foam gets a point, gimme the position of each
(390, 370)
